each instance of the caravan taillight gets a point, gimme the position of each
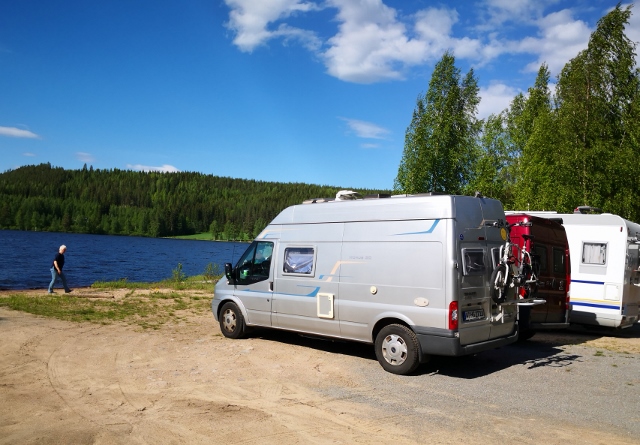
(453, 315)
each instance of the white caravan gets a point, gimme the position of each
(605, 275)
(409, 274)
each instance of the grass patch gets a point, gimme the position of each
(177, 282)
(78, 309)
(198, 236)
(599, 354)
(149, 310)
(148, 305)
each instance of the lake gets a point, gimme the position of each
(89, 258)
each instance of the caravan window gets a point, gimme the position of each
(594, 253)
(473, 261)
(298, 260)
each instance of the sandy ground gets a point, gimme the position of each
(82, 383)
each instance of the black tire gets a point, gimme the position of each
(231, 321)
(499, 283)
(526, 335)
(524, 328)
(397, 349)
(530, 288)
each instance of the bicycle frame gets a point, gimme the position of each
(515, 270)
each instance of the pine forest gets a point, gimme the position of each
(154, 204)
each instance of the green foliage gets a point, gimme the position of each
(122, 202)
(178, 275)
(581, 147)
(211, 271)
(590, 154)
(440, 142)
(493, 170)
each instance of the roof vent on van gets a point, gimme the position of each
(587, 209)
(377, 196)
(316, 200)
(347, 195)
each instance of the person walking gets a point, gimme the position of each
(56, 270)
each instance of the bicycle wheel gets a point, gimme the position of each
(499, 283)
(529, 282)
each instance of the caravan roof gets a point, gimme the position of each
(394, 208)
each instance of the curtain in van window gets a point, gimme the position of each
(594, 253)
(298, 260)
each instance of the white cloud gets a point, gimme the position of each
(29, 155)
(147, 168)
(373, 45)
(366, 130)
(250, 19)
(633, 29)
(495, 99)
(495, 13)
(85, 157)
(17, 133)
(375, 42)
(561, 38)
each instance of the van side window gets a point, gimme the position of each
(594, 253)
(540, 256)
(255, 263)
(473, 261)
(298, 260)
(558, 260)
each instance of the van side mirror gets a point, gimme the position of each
(228, 271)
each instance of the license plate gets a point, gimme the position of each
(478, 314)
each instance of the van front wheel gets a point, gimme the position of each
(397, 349)
(232, 321)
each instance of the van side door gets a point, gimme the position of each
(306, 291)
(254, 282)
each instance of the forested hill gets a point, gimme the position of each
(125, 202)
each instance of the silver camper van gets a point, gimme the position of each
(408, 273)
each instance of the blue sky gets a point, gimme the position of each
(275, 90)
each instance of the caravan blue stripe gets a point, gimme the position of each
(600, 306)
(600, 283)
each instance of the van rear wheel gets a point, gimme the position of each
(397, 349)
(231, 321)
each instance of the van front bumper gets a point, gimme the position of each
(445, 342)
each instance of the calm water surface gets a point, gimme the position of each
(27, 258)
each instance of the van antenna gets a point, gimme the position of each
(233, 254)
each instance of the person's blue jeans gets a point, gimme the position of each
(54, 277)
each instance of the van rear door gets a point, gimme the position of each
(476, 237)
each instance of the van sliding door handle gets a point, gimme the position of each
(270, 286)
